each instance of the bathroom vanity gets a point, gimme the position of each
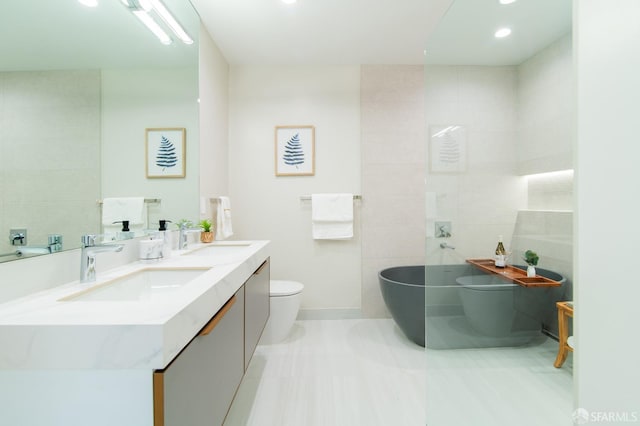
(145, 345)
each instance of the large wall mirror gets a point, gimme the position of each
(79, 86)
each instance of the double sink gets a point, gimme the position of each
(135, 316)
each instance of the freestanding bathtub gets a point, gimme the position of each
(403, 292)
(494, 306)
(466, 307)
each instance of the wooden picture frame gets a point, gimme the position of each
(165, 152)
(295, 150)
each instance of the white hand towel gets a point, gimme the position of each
(224, 228)
(119, 209)
(332, 216)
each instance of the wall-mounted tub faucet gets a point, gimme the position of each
(26, 250)
(54, 245)
(443, 229)
(446, 245)
(18, 237)
(88, 256)
(443, 233)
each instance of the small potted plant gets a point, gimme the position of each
(531, 257)
(206, 236)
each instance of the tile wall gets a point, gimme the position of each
(393, 162)
(49, 142)
(498, 106)
(545, 108)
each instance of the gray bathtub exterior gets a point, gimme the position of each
(403, 292)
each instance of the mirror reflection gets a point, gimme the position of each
(79, 87)
(535, 56)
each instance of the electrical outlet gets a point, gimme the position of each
(443, 229)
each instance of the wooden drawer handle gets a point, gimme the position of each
(264, 265)
(217, 317)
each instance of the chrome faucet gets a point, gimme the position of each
(443, 232)
(26, 250)
(88, 256)
(183, 242)
(54, 242)
(54, 245)
(446, 245)
(18, 239)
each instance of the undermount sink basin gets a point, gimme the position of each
(144, 285)
(221, 253)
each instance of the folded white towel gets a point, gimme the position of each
(332, 216)
(119, 209)
(224, 229)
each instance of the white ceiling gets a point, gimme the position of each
(465, 33)
(381, 31)
(321, 31)
(45, 34)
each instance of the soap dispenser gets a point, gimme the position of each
(125, 234)
(167, 245)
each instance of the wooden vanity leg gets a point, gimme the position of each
(563, 331)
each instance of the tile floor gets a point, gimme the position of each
(365, 372)
(499, 387)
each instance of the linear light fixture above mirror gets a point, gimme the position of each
(145, 10)
(171, 22)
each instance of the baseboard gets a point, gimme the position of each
(548, 333)
(328, 314)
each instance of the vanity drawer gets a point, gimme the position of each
(256, 308)
(197, 388)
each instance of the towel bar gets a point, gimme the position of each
(146, 201)
(308, 197)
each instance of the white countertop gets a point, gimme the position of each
(40, 331)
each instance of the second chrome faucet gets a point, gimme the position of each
(183, 240)
(88, 256)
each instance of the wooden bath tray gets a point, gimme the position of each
(514, 274)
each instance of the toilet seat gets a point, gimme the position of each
(278, 288)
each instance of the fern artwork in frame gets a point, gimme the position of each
(295, 150)
(165, 152)
(447, 149)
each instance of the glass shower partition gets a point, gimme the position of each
(490, 331)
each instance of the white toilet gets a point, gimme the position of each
(284, 302)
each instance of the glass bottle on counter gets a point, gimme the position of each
(501, 254)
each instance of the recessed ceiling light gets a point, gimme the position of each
(502, 32)
(507, 1)
(89, 3)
